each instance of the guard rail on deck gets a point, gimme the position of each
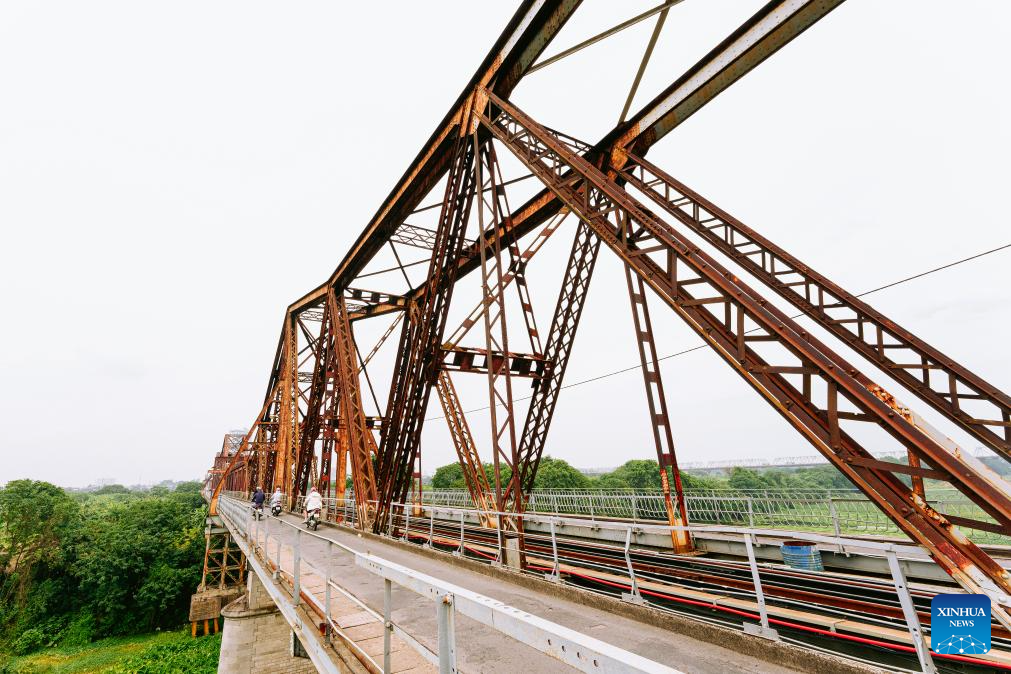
(581, 652)
(837, 512)
(419, 521)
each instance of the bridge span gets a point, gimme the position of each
(500, 620)
(488, 189)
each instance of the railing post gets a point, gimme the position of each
(635, 508)
(554, 504)
(634, 595)
(498, 535)
(387, 623)
(460, 550)
(762, 630)
(431, 527)
(389, 530)
(909, 611)
(326, 591)
(554, 575)
(266, 538)
(751, 513)
(407, 523)
(835, 521)
(298, 566)
(447, 635)
(277, 555)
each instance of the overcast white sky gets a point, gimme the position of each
(172, 175)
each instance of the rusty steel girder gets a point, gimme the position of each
(419, 353)
(690, 282)
(894, 350)
(818, 392)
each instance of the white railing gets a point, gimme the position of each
(837, 512)
(419, 523)
(573, 648)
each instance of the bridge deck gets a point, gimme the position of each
(481, 648)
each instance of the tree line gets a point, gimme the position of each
(644, 474)
(76, 567)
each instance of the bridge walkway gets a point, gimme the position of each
(481, 648)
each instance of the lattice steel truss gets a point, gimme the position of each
(313, 419)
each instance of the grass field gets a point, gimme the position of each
(159, 653)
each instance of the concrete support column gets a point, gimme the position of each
(256, 636)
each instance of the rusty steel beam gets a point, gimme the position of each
(561, 335)
(935, 377)
(463, 441)
(719, 307)
(531, 29)
(478, 360)
(422, 334)
(492, 209)
(763, 34)
(352, 414)
(656, 403)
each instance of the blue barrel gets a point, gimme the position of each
(801, 555)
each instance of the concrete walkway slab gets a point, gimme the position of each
(481, 648)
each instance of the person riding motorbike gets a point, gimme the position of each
(314, 501)
(275, 501)
(258, 498)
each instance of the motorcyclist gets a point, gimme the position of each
(314, 501)
(275, 500)
(259, 497)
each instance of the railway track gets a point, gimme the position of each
(857, 616)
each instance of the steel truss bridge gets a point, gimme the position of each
(466, 203)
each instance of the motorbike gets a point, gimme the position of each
(275, 510)
(258, 511)
(312, 522)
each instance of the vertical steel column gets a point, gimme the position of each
(500, 395)
(663, 437)
(561, 334)
(421, 338)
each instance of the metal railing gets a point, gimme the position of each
(430, 525)
(838, 512)
(578, 650)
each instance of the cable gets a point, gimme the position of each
(702, 346)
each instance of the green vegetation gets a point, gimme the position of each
(160, 653)
(644, 474)
(75, 568)
(551, 474)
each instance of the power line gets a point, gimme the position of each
(702, 346)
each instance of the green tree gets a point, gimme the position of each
(35, 518)
(558, 474)
(449, 476)
(745, 479)
(112, 489)
(639, 474)
(139, 558)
